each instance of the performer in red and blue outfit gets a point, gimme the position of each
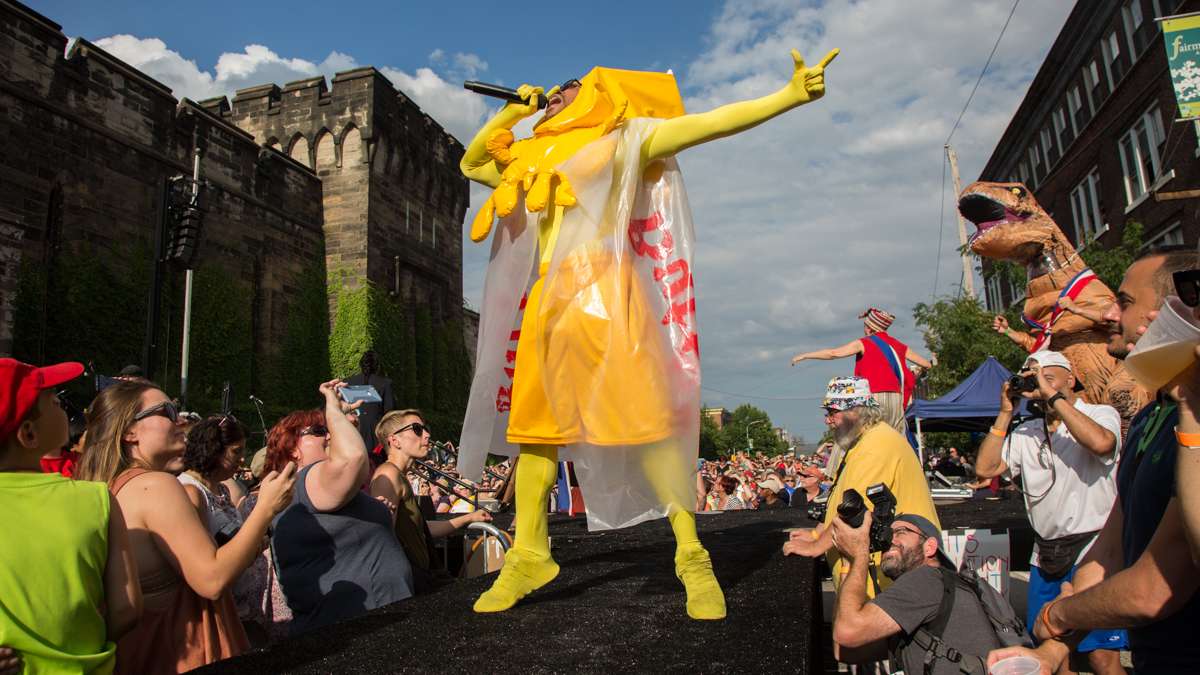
(883, 361)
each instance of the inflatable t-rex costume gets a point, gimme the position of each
(1013, 226)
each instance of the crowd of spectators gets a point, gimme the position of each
(171, 532)
(755, 481)
(190, 548)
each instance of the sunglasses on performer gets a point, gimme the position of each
(165, 409)
(417, 428)
(1187, 286)
(569, 83)
(315, 430)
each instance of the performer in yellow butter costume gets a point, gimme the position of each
(587, 337)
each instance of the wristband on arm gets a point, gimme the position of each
(1186, 440)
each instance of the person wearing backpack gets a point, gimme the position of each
(932, 619)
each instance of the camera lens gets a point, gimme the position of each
(852, 508)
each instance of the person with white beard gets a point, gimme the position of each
(874, 453)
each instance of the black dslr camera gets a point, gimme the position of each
(1020, 384)
(853, 507)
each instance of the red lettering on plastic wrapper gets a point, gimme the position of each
(674, 278)
(504, 393)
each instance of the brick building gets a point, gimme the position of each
(718, 416)
(1095, 137)
(349, 179)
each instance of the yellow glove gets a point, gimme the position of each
(680, 133)
(529, 94)
(809, 83)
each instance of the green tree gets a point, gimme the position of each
(733, 436)
(1110, 264)
(959, 331)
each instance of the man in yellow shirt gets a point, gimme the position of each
(875, 453)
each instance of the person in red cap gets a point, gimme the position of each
(68, 580)
(883, 361)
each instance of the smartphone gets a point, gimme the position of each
(360, 392)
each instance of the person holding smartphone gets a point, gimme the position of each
(371, 412)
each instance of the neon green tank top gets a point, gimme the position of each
(53, 550)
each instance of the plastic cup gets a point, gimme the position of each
(1016, 665)
(1167, 347)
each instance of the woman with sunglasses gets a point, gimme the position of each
(334, 548)
(404, 437)
(134, 442)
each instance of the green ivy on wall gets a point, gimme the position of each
(429, 367)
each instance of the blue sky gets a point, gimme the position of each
(802, 223)
(521, 40)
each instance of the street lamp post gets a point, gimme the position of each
(749, 442)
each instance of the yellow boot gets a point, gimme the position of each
(693, 566)
(705, 599)
(527, 565)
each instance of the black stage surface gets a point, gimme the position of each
(616, 606)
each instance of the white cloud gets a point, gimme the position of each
(457, 110)
(805, 221)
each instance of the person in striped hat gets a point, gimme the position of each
(883, 361)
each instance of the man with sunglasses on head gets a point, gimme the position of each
(592, 207)
(1067, 462)
(1139, 573)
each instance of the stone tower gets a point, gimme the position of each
(393, 197)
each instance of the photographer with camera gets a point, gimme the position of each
(934, 620)
(875, 453)
(1067, 462)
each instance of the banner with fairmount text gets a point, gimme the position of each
(1182, 37)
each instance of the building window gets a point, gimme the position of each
(1016, 291)
(1093, 86)
(1035, 162)
(1023, 168)
(1138, 30)
(1049, 147)
(1085, 209)
(1110, 47)
(1079, 113)
(1036, 167)
(1063, 129)
(1139, 148)
(1171, 235)
(993, 294)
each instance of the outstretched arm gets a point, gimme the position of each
(477, 164)
(680, 133)
(916, 358)
(1022, 340)
(1086, 310)
(848, 349)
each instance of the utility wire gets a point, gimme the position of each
(942, 210)
(983, 72)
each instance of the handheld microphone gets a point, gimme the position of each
(498, 91)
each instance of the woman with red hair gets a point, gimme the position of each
(334, 547)
(299, 437)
